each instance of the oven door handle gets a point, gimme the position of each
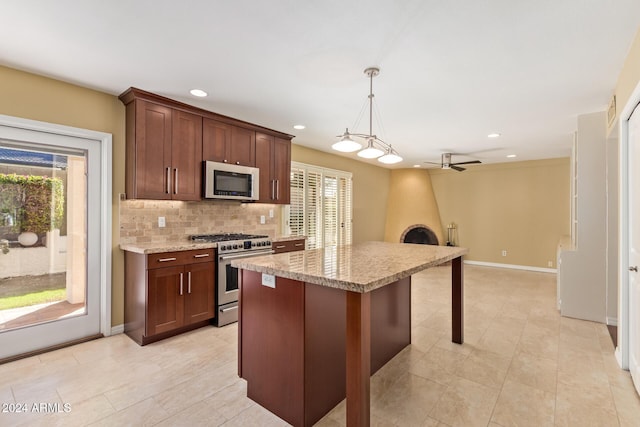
(226, 257)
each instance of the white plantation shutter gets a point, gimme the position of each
(313, 211)
(321, 206)
(330, 211)
(344, 211)
(295, 220)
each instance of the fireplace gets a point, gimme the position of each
(419, 233)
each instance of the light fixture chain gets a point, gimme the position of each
(354, 128)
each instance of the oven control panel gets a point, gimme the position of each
(232, 246)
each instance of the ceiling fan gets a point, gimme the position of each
(446, 163)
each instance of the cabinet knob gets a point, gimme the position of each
(224, 161)
(634, 269)
(237, 163)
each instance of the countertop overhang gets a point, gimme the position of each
(361, 267)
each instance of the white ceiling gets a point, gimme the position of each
(451, 71)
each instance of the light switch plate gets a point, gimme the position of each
(162, 222)
(262, 219)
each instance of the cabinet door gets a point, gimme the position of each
(151, 150)
(264, 161)
(186, 156)
(199, 291)
(216, 139)
(282, 170)
(165, 300)
(242, 148)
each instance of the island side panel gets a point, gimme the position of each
(390, 321)
(457, 300)
(273, 345)
(358, 358)
(325, 349)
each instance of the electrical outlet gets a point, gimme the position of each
(162, 222)
(263, 220)
(550, 264)
(504, 252)
(270, 213)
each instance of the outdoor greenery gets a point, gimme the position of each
(37, 200)
(50, 295)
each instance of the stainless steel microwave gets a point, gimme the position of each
(225, 181)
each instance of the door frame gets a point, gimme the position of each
(622, 350)
(105, 141)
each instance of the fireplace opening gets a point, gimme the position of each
(421, 235)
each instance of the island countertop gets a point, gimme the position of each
(361, 267)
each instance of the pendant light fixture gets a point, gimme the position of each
(376, 148)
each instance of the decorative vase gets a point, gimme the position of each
(27, 238)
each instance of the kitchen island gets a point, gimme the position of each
(315, 324)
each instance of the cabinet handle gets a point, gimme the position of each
(201, 256)
(299, 244)
(277, 189)
(280, 246)
(189, 282)
(166, 259)
(181, 289)
(273, 189)
(168, 180)
(175, 183)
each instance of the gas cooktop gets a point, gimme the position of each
(223, 237)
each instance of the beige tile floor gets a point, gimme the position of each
(521, 365)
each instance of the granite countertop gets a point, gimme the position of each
(288, 238)
(185, 245)
(156, 248)
(362, 267)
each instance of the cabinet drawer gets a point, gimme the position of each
(169, 259)
(288, 246)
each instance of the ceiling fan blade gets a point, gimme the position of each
(467, 163)
(434, 163)
(457, 168)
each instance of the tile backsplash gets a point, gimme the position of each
(139, 219)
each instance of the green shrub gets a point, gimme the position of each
(38, 200)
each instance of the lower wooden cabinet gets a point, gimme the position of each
(288, 246)
(168, 293)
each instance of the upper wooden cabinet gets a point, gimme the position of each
(273, 158)
(168, 140)
(227, 143)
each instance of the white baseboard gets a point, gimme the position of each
(118, 329)
(612, 321)
(512, 266)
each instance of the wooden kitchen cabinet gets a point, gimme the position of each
(168, 293)
(164, 152)
(288, 246)
(167, 140)
(273, 158)
(226, 143)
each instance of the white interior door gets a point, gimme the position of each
(634, 246)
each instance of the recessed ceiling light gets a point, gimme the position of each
(511, 156)
(493, 135)
(416, 166)
(198, 92)
(299, 127)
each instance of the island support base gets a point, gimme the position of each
(294, 337)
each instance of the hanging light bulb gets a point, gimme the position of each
(390, 157)
(346, 143)
(371, 152)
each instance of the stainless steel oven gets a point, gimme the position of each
(231, 247)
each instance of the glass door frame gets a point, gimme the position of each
(99, 157)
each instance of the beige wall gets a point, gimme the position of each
(34, 97)
(520, 207)
(411, 201)
(370, 190)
